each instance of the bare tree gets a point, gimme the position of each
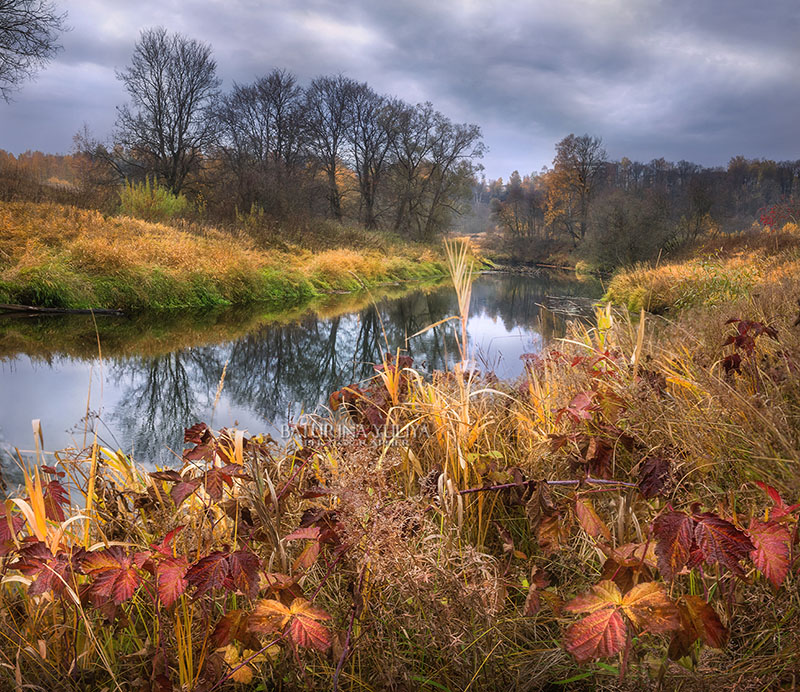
(172, 83)
(328, 118)
(373, 124)
(28, 39)
(261, 137)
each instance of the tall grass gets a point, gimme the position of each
(55, 256)
(434, 547)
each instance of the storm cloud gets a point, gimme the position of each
(682, 79)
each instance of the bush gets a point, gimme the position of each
(150, 201)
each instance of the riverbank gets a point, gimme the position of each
(63, 257)
(713, 272)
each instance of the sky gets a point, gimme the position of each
(702, 80)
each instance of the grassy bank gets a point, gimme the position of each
(155, 333)
(59, 256)
(713, 272)
(455, 539)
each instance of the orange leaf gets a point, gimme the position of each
(600, 634)
(650, 609)
(589, 520)
(706, 621)
(604, 594)
(268, 616)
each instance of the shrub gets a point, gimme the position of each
(150, 201)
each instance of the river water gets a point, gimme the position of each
(156, 375)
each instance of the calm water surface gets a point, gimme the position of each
(158, 375)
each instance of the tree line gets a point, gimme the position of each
(274, 147)
(618, 212)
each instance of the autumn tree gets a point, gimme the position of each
(577, 170)
(29, 32)
(172, 83)
(373, 127)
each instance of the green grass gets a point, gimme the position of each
(62, 257)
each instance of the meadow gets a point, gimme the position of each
(61, 256)
(622, 517)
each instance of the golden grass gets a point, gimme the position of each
(67, 257)
(711, 272)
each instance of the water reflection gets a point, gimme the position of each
(273, 370)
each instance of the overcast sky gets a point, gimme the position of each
(701, 80)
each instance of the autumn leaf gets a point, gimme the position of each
(706, 621)
(674, 532)
(771, 552)
(269, 616)
(602, 595)
(654, 473)
(589, 519)
(779, 509)
(237, 571)
(305, 628)
(601, 634)
(533, 601)
(55, 497)
(650, 609)
(171, 579)
(721, 542)
(50, 572)
(698, 621)
(233, 626)
(180, 491)
(208, 573)
(114, 573)
(303, 619)
(243, 567)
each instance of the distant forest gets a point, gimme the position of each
(278, 154)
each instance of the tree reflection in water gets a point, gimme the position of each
(277, 370)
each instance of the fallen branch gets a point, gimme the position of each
(32, 309)
(523, 484)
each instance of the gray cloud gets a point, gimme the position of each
(681, 79)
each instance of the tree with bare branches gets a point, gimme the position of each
(29, 32)
(172, 81)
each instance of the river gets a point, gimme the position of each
(154, 375)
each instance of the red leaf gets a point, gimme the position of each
(180, 491)
(589, 519)
(55, 497)
(720, 541)
(169, 475)
(171, 579)
(209, 572)
(243, 569)
(600, 634)
(50, 572)
(196, 434)
(771, 552)
(305, 628)
(674, 533)
(706, 621)
(306, 532)
(165, 547)
(654, 473)
(114, 574)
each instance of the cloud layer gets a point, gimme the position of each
(679, 79)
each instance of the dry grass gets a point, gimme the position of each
(431, 593)
(62, 256)
(710, 273)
